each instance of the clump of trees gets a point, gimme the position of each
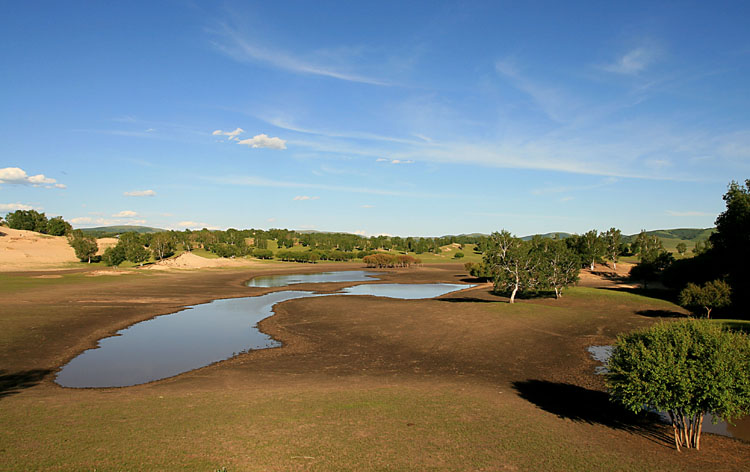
(381, 260)
(713, 294)
(653, 258)
(517, 266)
(686, 368)
(85, 247)
(32, 220)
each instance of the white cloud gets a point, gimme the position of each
(232, 134)
(305, 197)
(15, 206)
(263, 141)
(125, 214)
(271, 220)
(18, 176)
(140, 193)
(367, 206)
(81, 219)
(633, 61)
(360, 232)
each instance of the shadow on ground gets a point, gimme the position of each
(583, 405)
(14, 382)
(662, 314)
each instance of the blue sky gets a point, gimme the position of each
(403, 118)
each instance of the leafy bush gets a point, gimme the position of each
(686, 368)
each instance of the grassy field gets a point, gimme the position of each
(464, 382)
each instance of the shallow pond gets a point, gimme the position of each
(321, 277)
(200, 335)
(740, 430)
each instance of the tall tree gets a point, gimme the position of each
(730, 243)
(512, 263)
(612, 241)
(591, 248)
(559, 266)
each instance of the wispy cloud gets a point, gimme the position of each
(253, 181)
(305, 197)
(18, 176)
(634, 61)
(231, 134)
(394, 161)
(140, 193)
(367, 206)
(360, 135)
(243, 49)
(550, 100)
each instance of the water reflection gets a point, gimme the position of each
(321, 277)
(200, 335)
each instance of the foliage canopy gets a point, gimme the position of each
(686, 368)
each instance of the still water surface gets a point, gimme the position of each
(200, 335)
(321, 277)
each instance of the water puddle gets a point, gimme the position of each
(268, 281)
(202, 334)
(740, 430)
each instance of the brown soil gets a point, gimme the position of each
(466, 340)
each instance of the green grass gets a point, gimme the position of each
(736, 325)
(377, 429)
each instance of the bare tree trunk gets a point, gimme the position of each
(557, 293)
(674, 429)
(708, 312)
(513, 294)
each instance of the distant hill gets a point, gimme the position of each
(548, 235)
(112, 230)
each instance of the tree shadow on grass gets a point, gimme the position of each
(583, 405)
(470, 300)
(662, 314)
(13, 382)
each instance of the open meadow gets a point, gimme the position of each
(459, 382)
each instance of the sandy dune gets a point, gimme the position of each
(189, 260)
(24, 250)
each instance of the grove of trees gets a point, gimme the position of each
(515, 265)
(32, 220)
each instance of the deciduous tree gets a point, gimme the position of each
(713, 294)
(686, 368)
